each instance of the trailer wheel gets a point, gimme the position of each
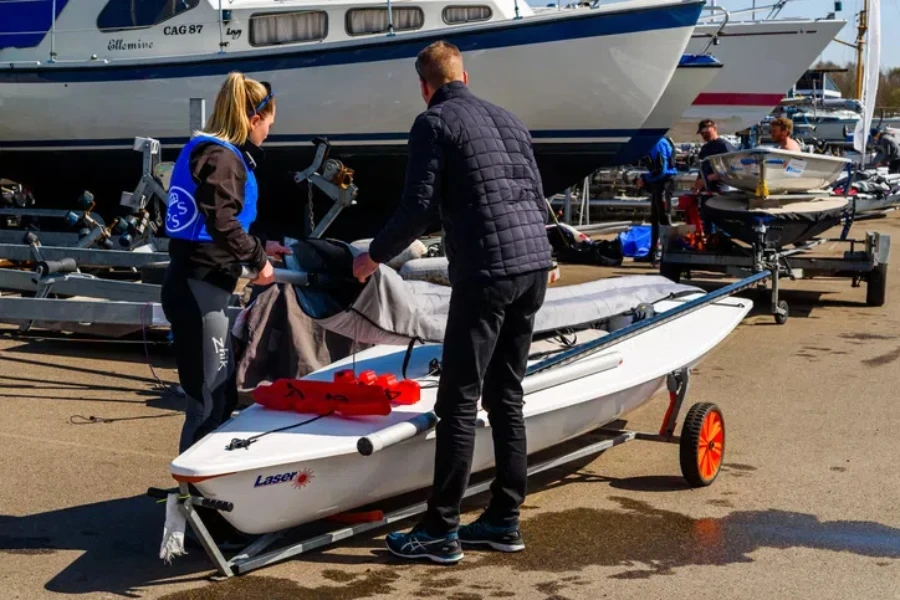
(782, 317)
(702, 445)
(153, 273)
(670, 271)
(876, 286)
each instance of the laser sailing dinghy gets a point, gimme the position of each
(275, 469)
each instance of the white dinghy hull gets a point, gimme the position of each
(311, 472)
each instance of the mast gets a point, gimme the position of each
(860, 45)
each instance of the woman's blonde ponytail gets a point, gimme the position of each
(230, 118)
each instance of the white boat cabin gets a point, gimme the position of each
(103, 31)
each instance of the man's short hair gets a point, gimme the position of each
(439, 63)
(704, 124)
(784, 123)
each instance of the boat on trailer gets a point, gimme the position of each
(786, 192)
(276, 465)
(83, 83)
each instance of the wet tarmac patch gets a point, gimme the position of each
(464, 596)
(647, 541)
(252, 587)
(338, 576)
(549, 587)
(864, 337)
(839, 469)
(503, 594)
(883, 359)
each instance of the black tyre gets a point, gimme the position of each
(876, 286)
(702, 445)
(781, 318)
(153, 273)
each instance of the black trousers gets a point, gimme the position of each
(660, 209)
(485, 353)
(203, 352)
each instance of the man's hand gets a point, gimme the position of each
(364, 266)
(698, 185)
(276, 250)
(266, 276)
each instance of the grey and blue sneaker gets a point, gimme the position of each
(504, 539)
(418, 544)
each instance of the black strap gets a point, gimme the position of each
(408, 355)
(237, 443)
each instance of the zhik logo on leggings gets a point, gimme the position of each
(221, 351)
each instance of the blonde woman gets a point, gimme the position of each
(211, 205)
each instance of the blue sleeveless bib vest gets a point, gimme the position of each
(183, 218)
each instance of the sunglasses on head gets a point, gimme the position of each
(269, 96)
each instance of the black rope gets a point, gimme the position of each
(82, 420)
(237, 443)
(408, 356)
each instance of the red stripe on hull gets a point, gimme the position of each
(737, 99)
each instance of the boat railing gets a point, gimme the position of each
(773, 9)
(714, 40)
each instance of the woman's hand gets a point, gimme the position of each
(276, 250)
(266, 276)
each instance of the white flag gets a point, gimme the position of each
(872, 73)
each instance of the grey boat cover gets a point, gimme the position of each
(390, 310)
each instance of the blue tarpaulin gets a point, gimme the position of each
(636, 241)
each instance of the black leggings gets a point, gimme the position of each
(203, 352)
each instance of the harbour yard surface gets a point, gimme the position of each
(805, 505)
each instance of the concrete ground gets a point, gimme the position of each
(805, 507)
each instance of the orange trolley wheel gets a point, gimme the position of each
(702, 445)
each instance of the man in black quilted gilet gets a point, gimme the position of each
(471, 163)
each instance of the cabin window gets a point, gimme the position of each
(288, 27)
(119, 15)
(466, 14)
(361, 21)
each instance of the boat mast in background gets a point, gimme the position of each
(860, 45)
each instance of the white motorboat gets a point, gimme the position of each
(278, 468)
(82, 85)
(767, 171)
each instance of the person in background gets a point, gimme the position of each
(660, 182)
(210, 208)
(888, 150)
(782, 129)
(472, 164)
(713, 145)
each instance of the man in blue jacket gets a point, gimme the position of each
(660, 182)
(471, 163)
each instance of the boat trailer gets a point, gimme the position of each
(701, 452)
(866, 260)
(88, 300)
